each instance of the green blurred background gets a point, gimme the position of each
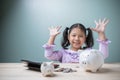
(24, 25)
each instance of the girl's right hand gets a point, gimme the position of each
(54, 31)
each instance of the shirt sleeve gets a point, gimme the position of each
(103, 47)
(51, 54)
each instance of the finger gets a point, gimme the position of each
(96, 22)
(99, 21)
(58, 33)
(103, 20)
(59, 27)
(93, 29)
(106, 22)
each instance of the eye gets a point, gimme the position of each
(73, 35)
(81, 36)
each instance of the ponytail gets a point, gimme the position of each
(65, 41)
(89, 39)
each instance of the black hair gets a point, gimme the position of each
(89, 37)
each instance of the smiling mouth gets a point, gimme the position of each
(76, 42)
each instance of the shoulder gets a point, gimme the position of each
(63, 50)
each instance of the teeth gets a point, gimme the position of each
(76, 42)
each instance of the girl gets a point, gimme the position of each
(77, 37)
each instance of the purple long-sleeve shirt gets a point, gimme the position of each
(69, 56)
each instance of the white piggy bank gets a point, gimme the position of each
(91, 60)
(47, 69)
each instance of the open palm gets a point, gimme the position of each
(100, 25)
(54, 31)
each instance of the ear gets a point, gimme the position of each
(68, 37)
(85, 39)
(44, 64)
(51, 63)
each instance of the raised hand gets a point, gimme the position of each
(54, 31)
(100, 28)
(100, 25)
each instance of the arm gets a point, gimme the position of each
(103, 47)
(103, 42)
(49, 52)
(53, 33)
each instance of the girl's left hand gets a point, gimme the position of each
(100, 25)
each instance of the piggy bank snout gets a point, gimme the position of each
(49, 70)
(84, 62)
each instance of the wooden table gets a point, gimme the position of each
(17, 71)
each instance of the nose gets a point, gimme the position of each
(76, 38)
(49, 71)
(83, 62)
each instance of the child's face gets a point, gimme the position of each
(76, 38)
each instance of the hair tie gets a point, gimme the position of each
(87, 28)
(67, 29)
(87, 31)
